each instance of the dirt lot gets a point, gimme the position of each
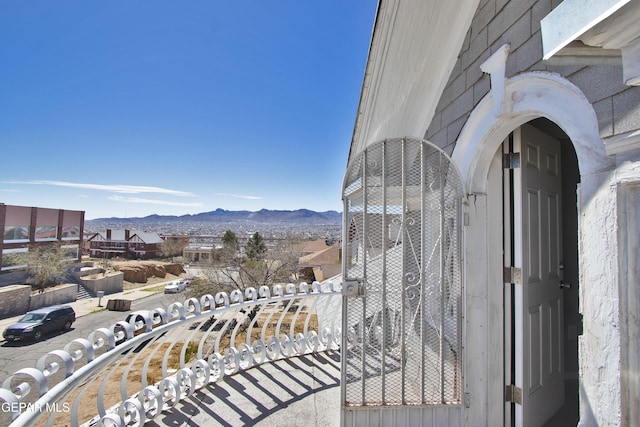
(117, 264)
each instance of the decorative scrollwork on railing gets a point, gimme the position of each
(163, 355)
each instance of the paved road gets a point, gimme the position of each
(18, 355)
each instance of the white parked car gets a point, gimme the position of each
(175, 287)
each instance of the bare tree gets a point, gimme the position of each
(234, 270)
(46, 264)
(171, 247)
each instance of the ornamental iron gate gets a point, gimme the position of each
(402, 311)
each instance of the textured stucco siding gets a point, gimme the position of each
(599, 345)
(629, 253)
(607, 382)
(517, 23)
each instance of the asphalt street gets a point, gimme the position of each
(23, 354)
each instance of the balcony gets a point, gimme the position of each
(236, 358)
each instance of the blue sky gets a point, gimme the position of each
(128, 108)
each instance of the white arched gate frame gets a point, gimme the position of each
(402, 307)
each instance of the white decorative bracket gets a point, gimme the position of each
(496, 66)
(631, 63)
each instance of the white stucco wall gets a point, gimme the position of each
(608, 217)
(609, 268)
(628, 186)
(599, 346)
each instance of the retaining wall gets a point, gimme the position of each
(14, 300)
(59, 295)
(111, 283)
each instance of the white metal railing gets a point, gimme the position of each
(129, 372)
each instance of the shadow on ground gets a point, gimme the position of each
(302, 391)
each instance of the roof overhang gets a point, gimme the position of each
(413, 50)
(593, 32)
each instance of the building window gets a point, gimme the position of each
(13, 259)
(70, 252)
(16, 233)
(71, 223)
(70, 232)
(47, 225)
(17, 223)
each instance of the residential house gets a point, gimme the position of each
(320, 265)
(125, 244)
(504, 137)
(311, 246)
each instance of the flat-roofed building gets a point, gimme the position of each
(194, 253)
(25, 226)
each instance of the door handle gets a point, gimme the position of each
(563, 284)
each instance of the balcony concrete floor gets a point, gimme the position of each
(301, 391)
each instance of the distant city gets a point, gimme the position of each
(297, 224)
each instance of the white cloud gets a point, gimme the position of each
(151, 201)
(240, 196)
(126, 189)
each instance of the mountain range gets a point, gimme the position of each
(222, 216)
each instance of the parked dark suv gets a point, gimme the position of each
(42, 321)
